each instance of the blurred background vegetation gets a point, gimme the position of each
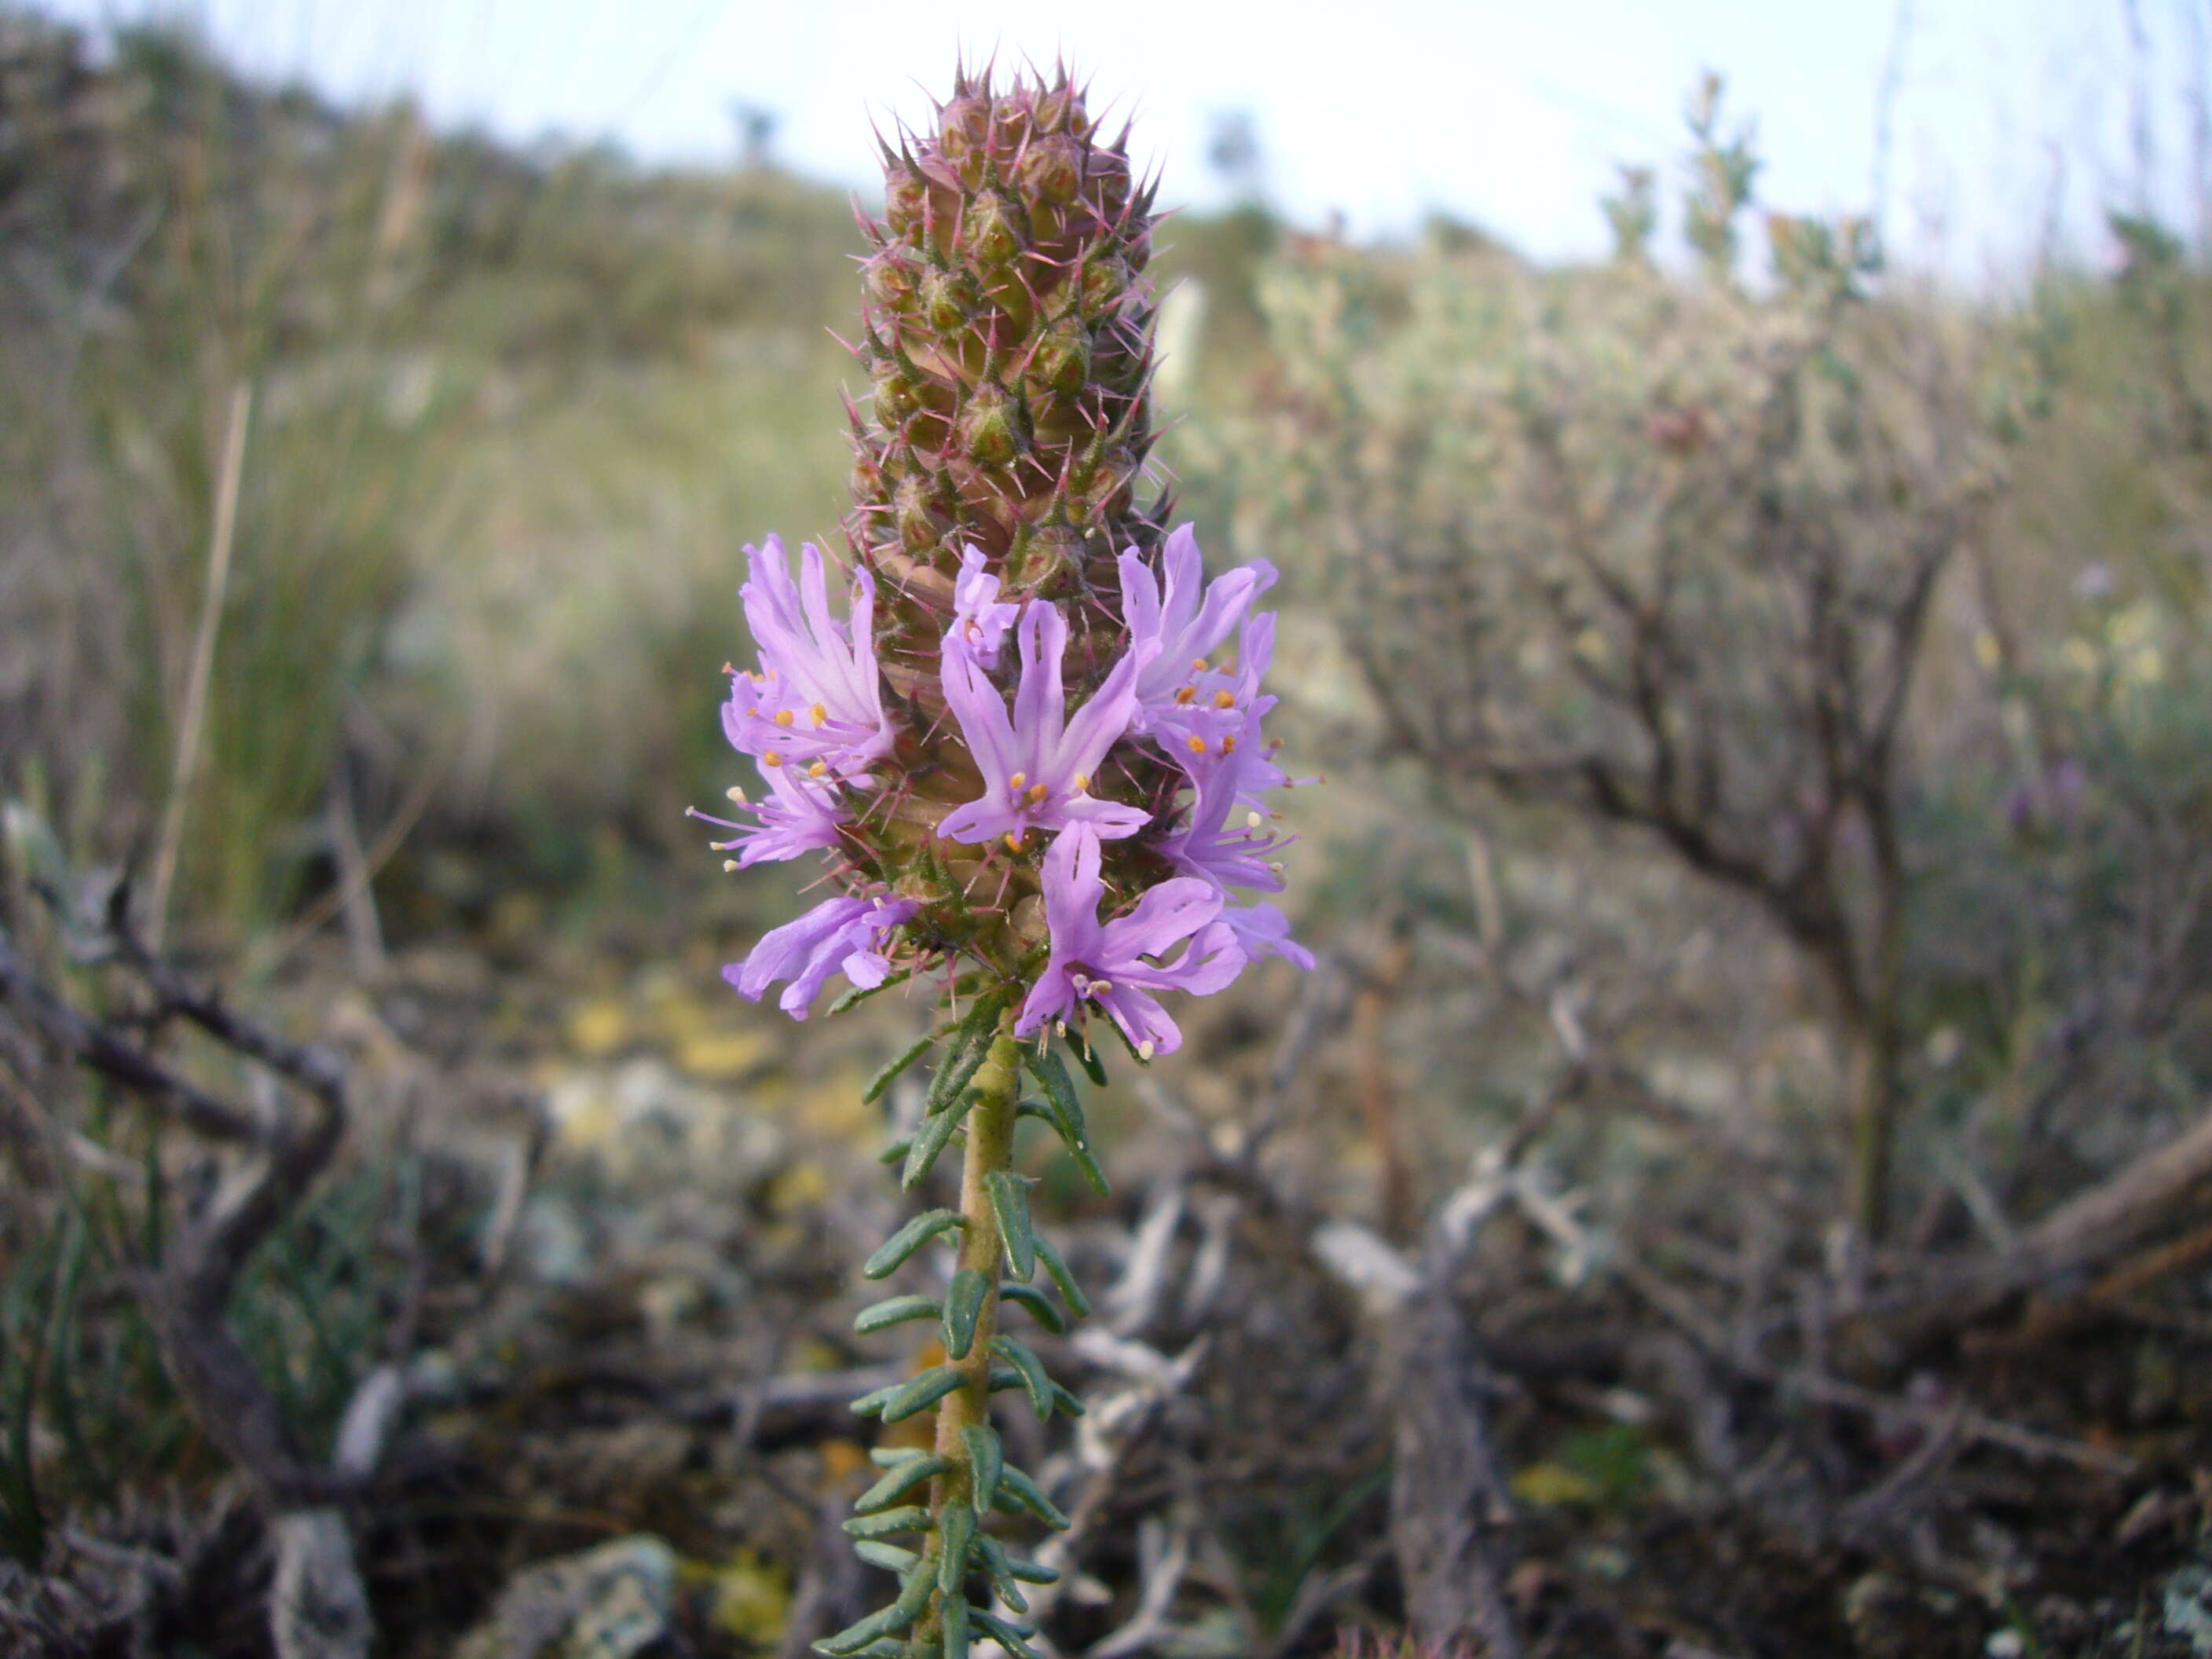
(1769, 683)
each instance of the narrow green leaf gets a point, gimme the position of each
(955, 1071)
(892, 1457)
(992, 1554)
(1086, 1056)
(955, 1528)
(1071, 1136)
(899, 1482)
(1068, 1402)
(859, 994)
(890, 1523)
(890, 1557)
(914, 1594)
(963, 1303)
(1049, 1070)
(882, 1316)
(986, 1457)
(935, 1133)
(1038, 1303)
(1002, 1633)
(915, 1394)
(1031, 1572)
(909, 1239)
(1017, 1492)
(883, 1079)
(1010, 1198)
(1005, 1379)
(1019, 1355)
(893, 1151)
(1078, 1305)
(854, 1637)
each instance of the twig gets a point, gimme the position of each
(203, 665)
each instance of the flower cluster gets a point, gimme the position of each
(840, 776)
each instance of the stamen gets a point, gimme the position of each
(1013, 841)
(1187, 695)
(1014, 783)
(817, 770)
(1228, 744)
(1195, 744)
(783, 717)
(1037, 793)
(1198, 664)
(1082, 782)
(736, 792)
(819, 712)
(1275, 865)
(728, 866)
(1225, 700)
(771, 758)
(1146, 1049)
(1253, 820)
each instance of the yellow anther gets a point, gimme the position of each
(1145, 1049)
(1195, 744)
(1275, 865)
(1037, 793)
(818, 768)
(1228, 744)
(737, 793)
(771, 758)
(783, 717)
(1184, 697)
(1015, 782)
(1013, 841)
(729, 865)
(1223, 700)
(1198, 664)
(819, 712)
(1253, 820)
(1082, 782)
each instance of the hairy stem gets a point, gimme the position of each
(990, 1147)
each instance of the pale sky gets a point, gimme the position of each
(1508, 115)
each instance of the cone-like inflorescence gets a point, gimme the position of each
(1030, 757)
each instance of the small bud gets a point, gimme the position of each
(1053, 169)
(990, 232)
(990, 426)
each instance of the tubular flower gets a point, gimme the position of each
(799, 817)
(978, 616)
(1039, 765)
(817, 697)
(1111, 963)
(1185, 619)
(838, 935)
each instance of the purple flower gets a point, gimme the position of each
(800, 816)
(1038, 766)
(839, 933)
(817, 701)
(1223, 841)
(1186, 621)
(1106, 964)
(977, 616)
(1264, 930)
(1214, 715)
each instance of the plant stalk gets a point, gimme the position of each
(990, 1130)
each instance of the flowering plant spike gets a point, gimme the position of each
(1030, 756)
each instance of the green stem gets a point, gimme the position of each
(990, 1129)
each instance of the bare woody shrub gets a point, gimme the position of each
(1662, 548)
